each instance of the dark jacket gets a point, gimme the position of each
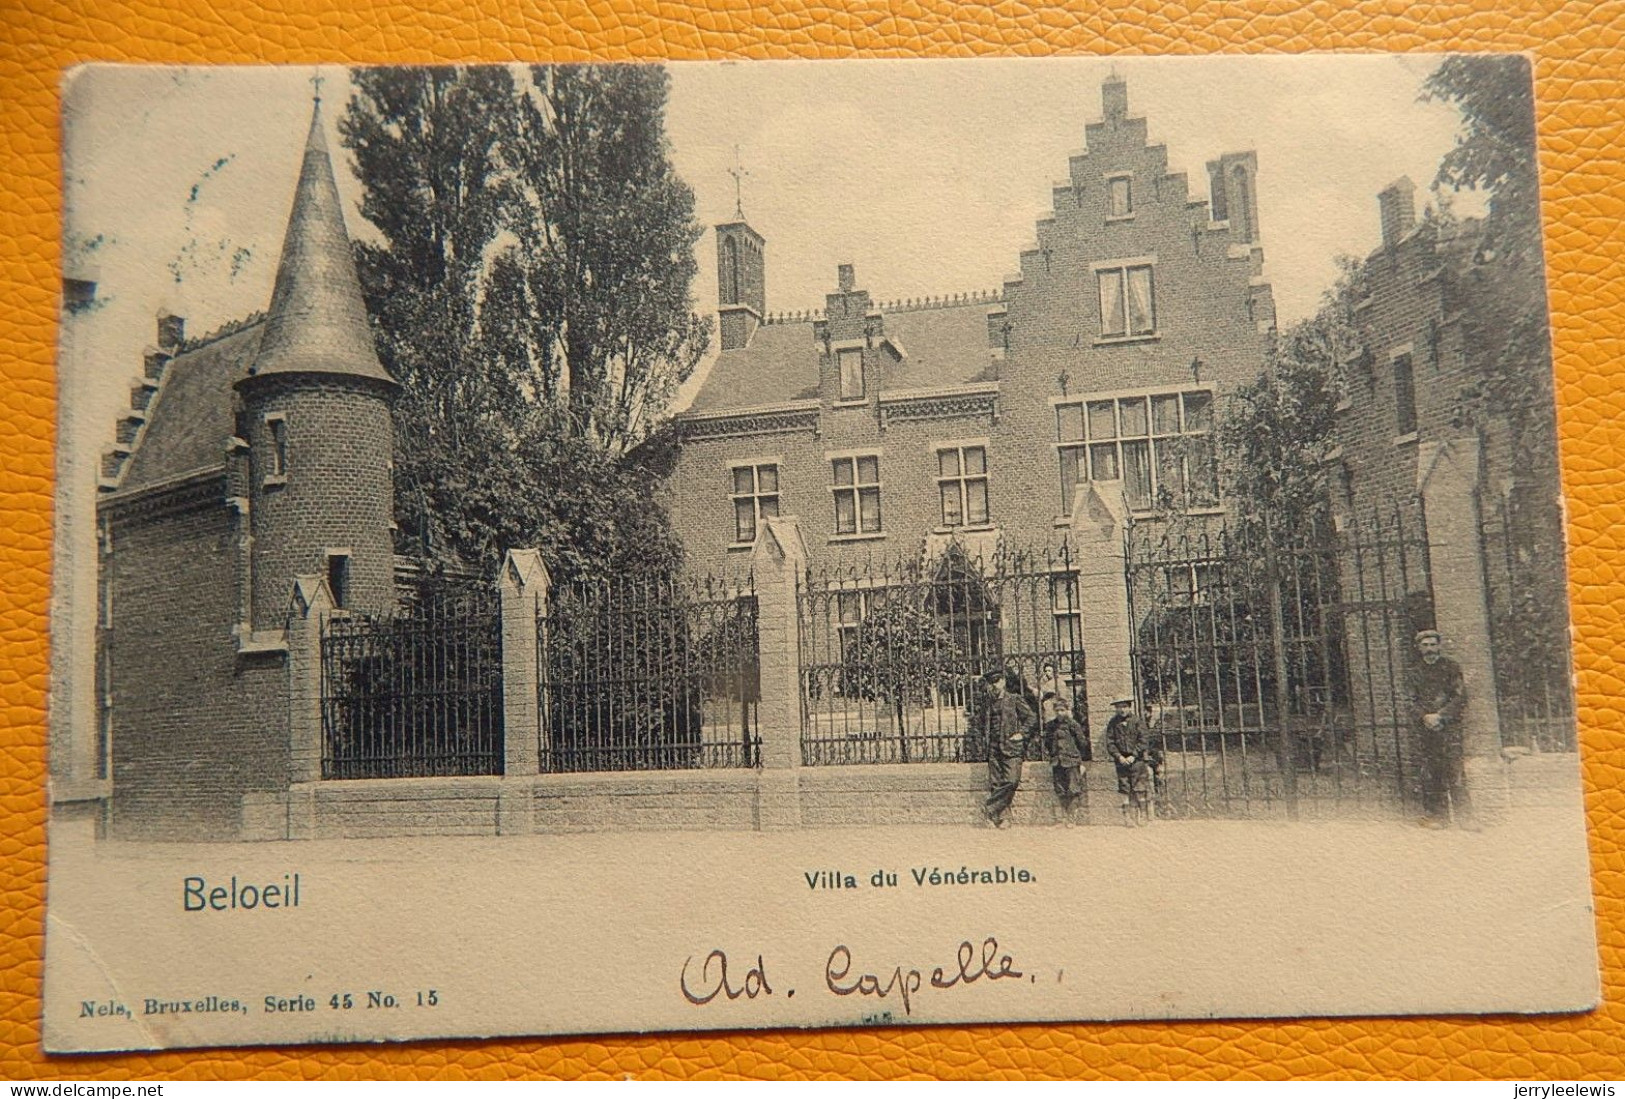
(1126, 735)
(1438, 688)
(1068, 741)
(1009, 717)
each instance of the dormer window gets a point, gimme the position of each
(851, 363)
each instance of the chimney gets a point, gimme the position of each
(1114, 98)
(171, 331)
(1397, 203)
(846, 277)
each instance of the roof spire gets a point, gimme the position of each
(739, 173)
(317, 322)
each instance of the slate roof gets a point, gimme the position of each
(942, 346)
(190, 418)
(317, 321)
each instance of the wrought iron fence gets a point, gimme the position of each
(1272, 665)
(1522, 535)
(649, 674)
(891, 655)
(414, 694)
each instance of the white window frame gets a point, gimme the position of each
(755, 465)
(1071, 613)
(856, 489)
(962, 480)
(1066, 449)
(1122, 267)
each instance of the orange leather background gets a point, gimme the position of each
(1580, 74)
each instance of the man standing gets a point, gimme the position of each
(1438, 701)
(1008, 717)
(1128, 742)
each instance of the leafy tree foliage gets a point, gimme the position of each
(1495, 152)
(1275, 433)
(530, 288)
(1495, 149)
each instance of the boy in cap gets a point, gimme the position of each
(1128, 743)
(1068, 744)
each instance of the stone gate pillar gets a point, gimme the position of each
(309, 607)
(777, 563)
(1099, 526)
(523, 584)
(1447, 480)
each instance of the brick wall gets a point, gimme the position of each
(1427, 292)
(1211, 305)
(194, 725)
(337, 492)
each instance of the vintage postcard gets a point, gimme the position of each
(569, 549)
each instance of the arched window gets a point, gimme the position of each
(730, 271)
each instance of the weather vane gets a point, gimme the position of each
(739, 174)
(316, 79)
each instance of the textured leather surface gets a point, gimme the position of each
(1579, 59)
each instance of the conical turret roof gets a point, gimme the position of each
(317, 322)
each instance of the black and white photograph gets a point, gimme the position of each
(559, 549)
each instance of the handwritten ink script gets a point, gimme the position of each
(704, 981)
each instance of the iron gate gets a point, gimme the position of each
(891, 654)
(1272, 665)
(1522, 533)
(649, 674)
(414, 694)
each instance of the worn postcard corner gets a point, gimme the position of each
(563, 549)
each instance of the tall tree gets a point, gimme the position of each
(1495, 153)
(1275, 432)
(1495, 148)
(612, 232)
(530, 289)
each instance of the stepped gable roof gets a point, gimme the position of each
(190, 418)
(317, 322)
(942, 346)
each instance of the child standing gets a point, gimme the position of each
(1068, 748)
(1128, 742)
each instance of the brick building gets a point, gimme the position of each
(252, 471)
(1435, 310)
(888, 427)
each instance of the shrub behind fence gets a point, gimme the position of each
(891, 655)
(417, 693)
(644, 674)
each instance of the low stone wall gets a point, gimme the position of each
(743, 800)
(750, 800)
